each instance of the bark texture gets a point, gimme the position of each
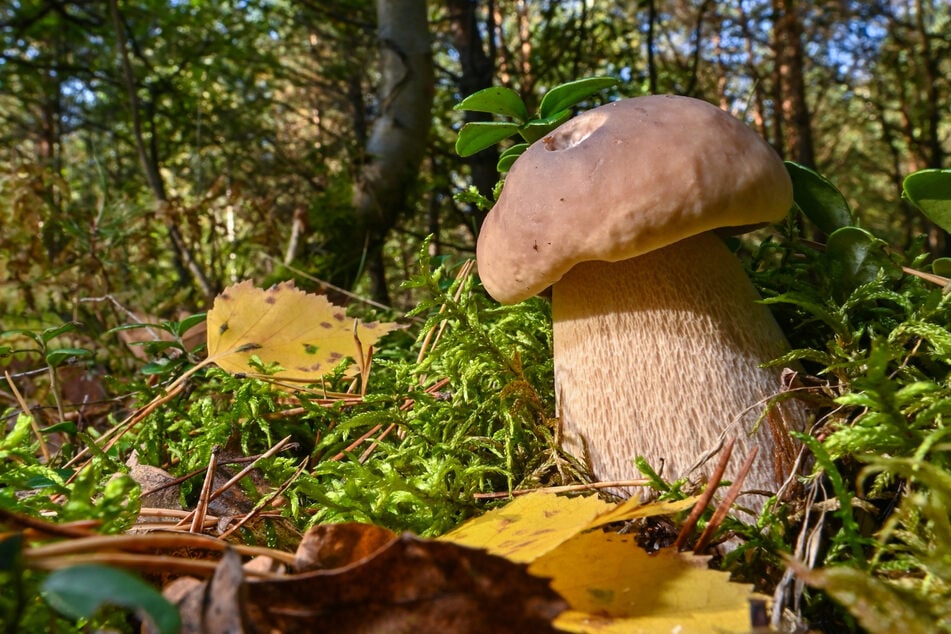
(397, 140)
(659, 356)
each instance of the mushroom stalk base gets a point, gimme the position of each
(659, 356)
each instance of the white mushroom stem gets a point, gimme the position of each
(660, 355)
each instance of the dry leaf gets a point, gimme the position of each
(533, 524)
(633, 508)
(612, 585)
(530, 525)
(399, 584)
(303, 333)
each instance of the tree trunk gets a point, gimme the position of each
(790, 62)
(477, 73)
(397, 139)
(185, 260)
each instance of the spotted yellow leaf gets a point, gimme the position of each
(611, 585)
(305, 334)
(529, 526)
(614, 586)
(533, 524)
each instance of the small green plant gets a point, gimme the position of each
(555, 109)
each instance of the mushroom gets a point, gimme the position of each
(659, 338)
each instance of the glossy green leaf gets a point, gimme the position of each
(514, 150)
(819, 199)
(181, 327)
(505, 163)
(479, 135)
(50, 333)
(509, 156)
(942, 267)
(66, 427)
(540, 127)
(930, 191)
(854, 257)
(496, 100)
(62, 355)
(567, 95)
(79, 592)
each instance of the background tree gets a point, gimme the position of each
(181, 146)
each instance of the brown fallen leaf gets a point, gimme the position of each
(337, 545)
(405, 584)
(368, 579)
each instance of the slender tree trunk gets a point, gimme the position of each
(397, 139)
(790, 58)
(651, 61)
(477, 73)
(150, 166)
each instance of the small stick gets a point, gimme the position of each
(732, 493)
(201, 509)
(705, 498)
(26, 410)
(230, 483)
(257, 509)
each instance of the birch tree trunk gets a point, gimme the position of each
(397, 139)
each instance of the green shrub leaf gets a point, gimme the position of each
(479, 135)
(819, 199)
(854, 257)
(567, 95)
(930, 191)
(540, 127)
(79, 592)
(496, 100)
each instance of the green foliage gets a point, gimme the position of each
(555, 109)
(485, 430)
(877, 335)
(819, 199)
(80, 591)
(930, 192)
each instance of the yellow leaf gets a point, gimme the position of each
(529, 526)
(305, 334)
(633, 508)
(612, 585)
(535, 523)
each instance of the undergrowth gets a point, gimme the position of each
(459, 402)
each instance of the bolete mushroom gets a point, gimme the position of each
(659, 338)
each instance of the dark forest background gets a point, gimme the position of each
(157, 151)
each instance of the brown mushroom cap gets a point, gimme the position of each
(622, 180)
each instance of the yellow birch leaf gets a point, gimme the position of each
(534, 523)
(305, 334)
(529, 526)
(633, 508)
(614, 586)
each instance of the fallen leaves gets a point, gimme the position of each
(304, 334)
(538, 564)
(542, 563)
(400, 583)
(610, 584)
